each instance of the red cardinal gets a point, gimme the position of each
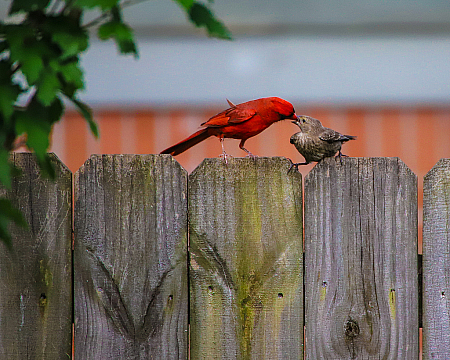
(240, 121)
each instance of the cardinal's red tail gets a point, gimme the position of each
(185, 144)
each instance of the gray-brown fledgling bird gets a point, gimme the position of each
(316, 142)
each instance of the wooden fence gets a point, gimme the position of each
(213, 265)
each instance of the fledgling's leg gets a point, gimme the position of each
(296, 165)
(340, 156)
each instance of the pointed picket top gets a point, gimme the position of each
(361, 259)
(246, 260)
(36, 275)
(130, 274)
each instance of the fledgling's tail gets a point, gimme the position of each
(185, 144)
(348, 137)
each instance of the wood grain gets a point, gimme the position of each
(436, 262)
(246, 260)
(131, 294)
(361, 260)
(36, 276)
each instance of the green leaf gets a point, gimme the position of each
(37, 132)
(86, 111)
(186, 4)
(71, 44)
(121, 33)
(46, 166)
(8, 97)
(5, 71)
(3, 45)
(200, 15)
(7, 214)
(72, 74)
(48, 86)
(68, 90)
(17, 36)
(28, 51)
(90, 4)
(36, 121)
(12, 213)
(127, 47)
(5, 169)
(32, 66)
(27, 5)
(71, 38)
(55, 111)
(5, 236)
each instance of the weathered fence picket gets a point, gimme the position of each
(361, 284)
(245, 221)
(36, 275)
(436, 262)
(132, 264)
(131, 292)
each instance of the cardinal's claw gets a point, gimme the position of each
(225, 157)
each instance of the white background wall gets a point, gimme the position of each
(352, 51)
(313, 69)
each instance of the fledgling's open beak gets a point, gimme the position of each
(296, 122)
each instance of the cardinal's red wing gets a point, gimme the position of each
(232, 115)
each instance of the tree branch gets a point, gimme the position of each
(100, 18)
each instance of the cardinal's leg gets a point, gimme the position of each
(224, 154)
(241, 145)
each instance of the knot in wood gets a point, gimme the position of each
(42, 303)
(351, 329)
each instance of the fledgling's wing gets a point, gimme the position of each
(330, 136)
